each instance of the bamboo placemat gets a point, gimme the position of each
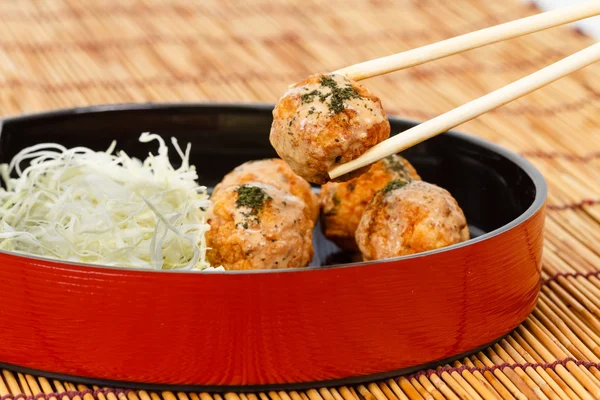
(58, 54)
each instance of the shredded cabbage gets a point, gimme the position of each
(103, 208)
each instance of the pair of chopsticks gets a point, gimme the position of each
(483, 104)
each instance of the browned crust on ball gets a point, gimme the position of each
(415, 218)
(278, 236)
(342, 204)
(274, 172)
(312, 149)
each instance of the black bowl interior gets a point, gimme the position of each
(491, 189)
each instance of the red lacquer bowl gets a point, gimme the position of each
(335, 322)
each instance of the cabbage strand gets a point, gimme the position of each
(103, 208)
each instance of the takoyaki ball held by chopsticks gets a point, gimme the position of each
(480, 106)
(343, 203)
(273, 172)
(256, 226)
(410, 217)
(326, 120)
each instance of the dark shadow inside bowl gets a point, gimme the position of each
(490, 188)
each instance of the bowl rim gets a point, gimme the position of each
(534, 174)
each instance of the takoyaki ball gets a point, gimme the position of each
(277, 173)
(325, 121)
(410, 217)
(256, 226)
(342, 204)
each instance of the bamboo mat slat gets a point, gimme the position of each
(68, 53)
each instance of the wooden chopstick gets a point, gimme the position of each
(471, 110)
(471, 40)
